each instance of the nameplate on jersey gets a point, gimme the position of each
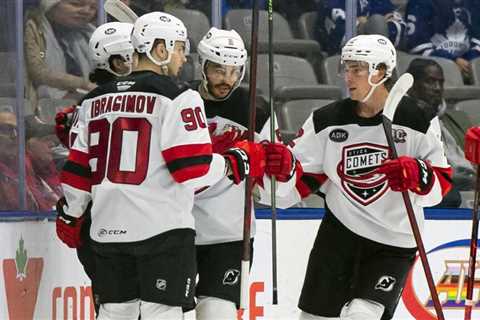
(127, 102)
(356, 168)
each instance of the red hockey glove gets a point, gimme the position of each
(245, 158)
(280, 161)
(63, 124)
(68, 227)
(472, 145)
(407, 173)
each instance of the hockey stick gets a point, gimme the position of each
(247, 214)
(120, 11)
(272, 139)
(472, 262)
(403, 84)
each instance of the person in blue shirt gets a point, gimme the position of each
(444, 28)
(330, 25)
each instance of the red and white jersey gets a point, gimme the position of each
(343, 148)
(219, 209)
(142, 148)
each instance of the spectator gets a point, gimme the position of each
(451, 124)
(330, 26)
(42, 186)
(292, 10)
(443, 28)
(56, 48)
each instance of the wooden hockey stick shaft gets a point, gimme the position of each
(472, 262)
(120, 11)
(387, 126)
(272, 139)
(247, 216)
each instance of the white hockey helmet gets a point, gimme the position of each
(374, 49)
(113, 38)
(158, 25)
(224, 47)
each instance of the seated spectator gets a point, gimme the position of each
(443, 28)
(331, 35)
(41, 179)
(56, 49)
(451, 124)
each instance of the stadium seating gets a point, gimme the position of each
(196, 22)
(476, 71)
(330, 70)
(306, 25)
(283, 40)
(294, 78)
(292, 114)
(191, 70)
(471, 108)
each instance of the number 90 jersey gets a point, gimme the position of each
(142, 147)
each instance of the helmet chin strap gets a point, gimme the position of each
(159, 63)
(373, 87)
(130, 67)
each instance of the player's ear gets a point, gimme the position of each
(159, 50)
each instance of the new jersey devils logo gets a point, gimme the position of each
(355, 170)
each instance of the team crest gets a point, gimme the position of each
(355, 170)
(399, 135)
(231, 277)
(385, 283)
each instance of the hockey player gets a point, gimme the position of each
(445, 28)
(365, 247)
(219, 210)
(143, 149)
(112, 51)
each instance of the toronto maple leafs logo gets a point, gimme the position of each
(455, 41)
(356, 171)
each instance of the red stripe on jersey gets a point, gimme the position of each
(76, 181)
(79, 157)
(190, 172)
(187, 151)
(188, 161)
(444, 176)
(310, 183)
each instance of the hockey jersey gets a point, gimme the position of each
(219, 209)
(346, 148)
(334, 10)
(444, 28)
(142, 148)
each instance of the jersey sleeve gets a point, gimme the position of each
(308, 177)
(76, 175)
(186, 145)
(430, 148)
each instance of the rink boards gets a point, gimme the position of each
(42, 278)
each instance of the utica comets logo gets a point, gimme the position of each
(22, 278)
(356, 171)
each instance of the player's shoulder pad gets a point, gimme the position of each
(409, 114)
(334, 114)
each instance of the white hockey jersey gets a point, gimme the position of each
(219, 209)
(142, 148)
(345, 148)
